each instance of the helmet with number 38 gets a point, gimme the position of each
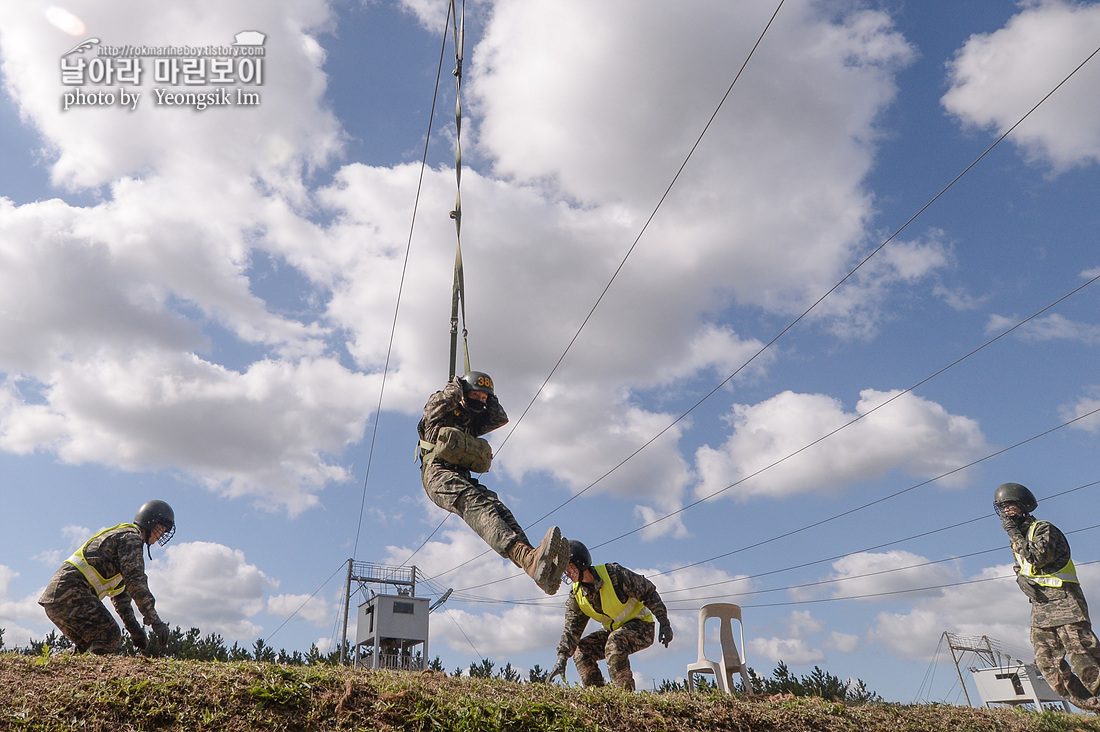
(477, 381)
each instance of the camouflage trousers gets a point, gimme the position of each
(86, 622)
(455, 491)
(616, 646)
(1078, 681)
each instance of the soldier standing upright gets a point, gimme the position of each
(110, 564)
(1060, 625)
(626, 603)
(451, 449)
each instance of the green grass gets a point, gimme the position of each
(122, 693)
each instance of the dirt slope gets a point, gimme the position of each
(119, 693)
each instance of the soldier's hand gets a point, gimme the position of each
(559, 669)
(137, 635)
(161, 631)
(665, 634)
(1011, 523)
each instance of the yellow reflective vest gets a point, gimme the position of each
(616, 613)
(1067, 573)
(108, 587)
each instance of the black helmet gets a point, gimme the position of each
(477, 381)
(153, 513)
(579, 555)
(1015, 493)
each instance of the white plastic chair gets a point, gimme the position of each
(724, 669)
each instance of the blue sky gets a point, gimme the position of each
(198, 306)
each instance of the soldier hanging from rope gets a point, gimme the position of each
(451, 449)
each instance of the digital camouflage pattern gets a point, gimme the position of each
(452, 487)
(1079, 679)
(1060, 625)
(617, 645)
(72, 605)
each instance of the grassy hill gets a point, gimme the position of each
(122, 693)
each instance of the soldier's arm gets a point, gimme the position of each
(131, 563)
(124, 605)
(575, 622)
(1048, 548)
(494, 417)
(440, 409)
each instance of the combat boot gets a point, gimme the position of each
(546, 563)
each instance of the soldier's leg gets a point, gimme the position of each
(87, 623)
(475, 504)
(589, 652)
(635, 636)
(1083, 654)
(1051, 662)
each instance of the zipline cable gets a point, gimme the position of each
(638, 238)
(906, 591)
(732, 595)
(834, 517)
(461, 594)
(861, 416)
(864, 575)
(808, 310)
(811, 444)
(306, 602)
(622, 263)
(858, 551)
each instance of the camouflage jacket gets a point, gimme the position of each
(627, 584)
(118, 551)
(1049, 551)
(445, 409)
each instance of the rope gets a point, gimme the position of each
(397, 306)
(458, 295)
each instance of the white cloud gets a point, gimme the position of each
(314, 610)
(156, 412)
(997, 77)
(7, 574)
(871, 574)
(1086, 404)
(93, 147)
(75, 535)
(482, 576)
(910, 433)
(479, 569)
(1047, 328)
(143, 329)
(801, 623)
(211, 587)
(497, 635)
(995, 608)
(792, 651)
(842, 642)
(855, 308)
(14, 612)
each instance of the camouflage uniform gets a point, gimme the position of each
(72, 604)
(614, 645)
(452, 487)
(1060, 625)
